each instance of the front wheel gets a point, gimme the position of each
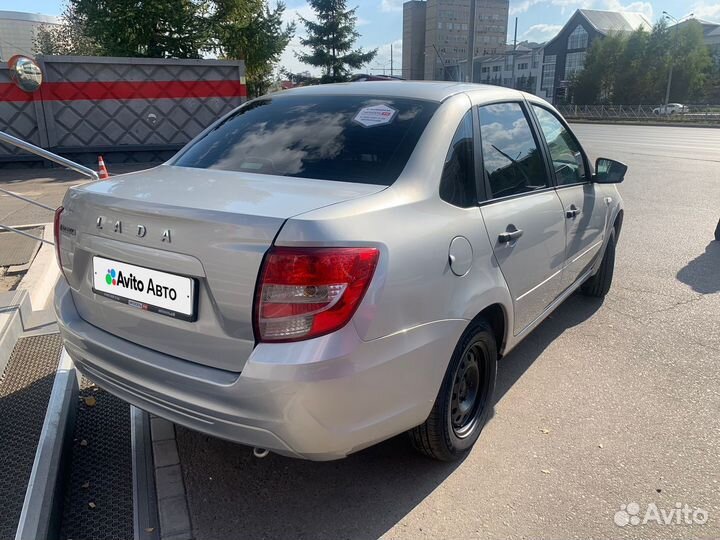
(465, 400)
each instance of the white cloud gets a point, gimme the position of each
(521, 6)
(391, 5)
(638, 7)
(565, 5)
(703, 10)
(540, 32)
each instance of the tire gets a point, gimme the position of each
(455, 422)
(599, 284)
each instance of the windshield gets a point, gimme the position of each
(347, 138)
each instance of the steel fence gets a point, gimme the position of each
(130, 109)
(691, 113)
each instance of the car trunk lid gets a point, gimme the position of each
(211, 226)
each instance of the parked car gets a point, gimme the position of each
(670, 109)
(331, 266)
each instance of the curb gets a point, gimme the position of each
(40, 279)
(24, 311)
(42, 508)
(172, 505)
(15, 308)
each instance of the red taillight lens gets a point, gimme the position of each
(56, 234)
(308, 292)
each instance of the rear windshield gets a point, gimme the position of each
(346, 138)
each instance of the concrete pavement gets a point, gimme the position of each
(605, 404)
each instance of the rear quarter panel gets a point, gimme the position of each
(412, 227)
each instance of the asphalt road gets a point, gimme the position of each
(605, 404)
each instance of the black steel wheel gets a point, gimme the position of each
(464, 402)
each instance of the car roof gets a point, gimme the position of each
(429, 90)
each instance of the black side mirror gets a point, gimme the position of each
(609, 171)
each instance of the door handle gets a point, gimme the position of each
(572, 212)
(509, 236)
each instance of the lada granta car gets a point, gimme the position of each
(327, 267)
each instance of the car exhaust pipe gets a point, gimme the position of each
(260, 452)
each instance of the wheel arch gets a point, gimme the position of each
(496, 315)
(617, 224)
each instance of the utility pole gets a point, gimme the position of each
(670, 73)
(514, 54)
(471, 42)
(392, 71)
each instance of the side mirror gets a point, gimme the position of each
(609, 171)
(25, 72)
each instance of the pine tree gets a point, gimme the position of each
(331, 41)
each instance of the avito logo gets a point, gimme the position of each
(131, 282)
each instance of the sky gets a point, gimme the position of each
(380, 21)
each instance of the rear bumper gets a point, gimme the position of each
(319, 399)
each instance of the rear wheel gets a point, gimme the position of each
(464, 402)
(599, 284)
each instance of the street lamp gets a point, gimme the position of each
(670, 73)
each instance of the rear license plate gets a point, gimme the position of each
(143, 288)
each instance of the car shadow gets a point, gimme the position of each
(702, 274)
(574, 311)
(363, 496)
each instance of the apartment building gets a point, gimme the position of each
(18, 30)
(498, 69)
(446, 32)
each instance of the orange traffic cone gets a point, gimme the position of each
(102, 169)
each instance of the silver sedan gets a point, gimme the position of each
(327, 267)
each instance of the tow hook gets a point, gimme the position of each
(260, 452)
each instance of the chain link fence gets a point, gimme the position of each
(688, 113)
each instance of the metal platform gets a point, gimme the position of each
(98, 501)
(25, 389)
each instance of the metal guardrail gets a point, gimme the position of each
(24, 145)
(693, 113)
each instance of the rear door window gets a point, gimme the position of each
(511, 157)
(457, 185)
(347, 138)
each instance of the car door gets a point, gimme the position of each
(585, 213)
(522, 212)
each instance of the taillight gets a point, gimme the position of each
(307, 292)
(56, 235)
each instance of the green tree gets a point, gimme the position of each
(691, 61)
(68, 38)
(146, 28)
(633, 68)
(256, 36)
(331, 41)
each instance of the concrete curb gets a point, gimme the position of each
(173, 509)
(26, 308)
(43, 273)
(13, 307)
(42, 509)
